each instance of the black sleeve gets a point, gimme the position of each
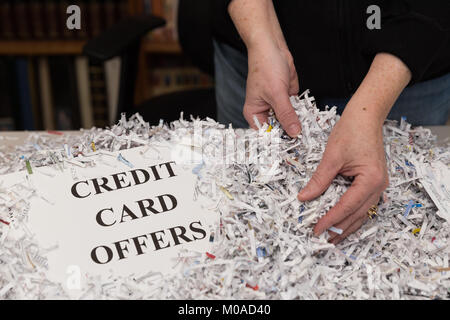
(417, 32)
(224, 29)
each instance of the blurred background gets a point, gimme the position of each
(121, 60)
(47, 82)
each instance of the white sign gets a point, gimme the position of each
(129, 219)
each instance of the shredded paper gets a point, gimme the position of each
(263, 247)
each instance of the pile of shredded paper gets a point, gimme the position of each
(264, 247)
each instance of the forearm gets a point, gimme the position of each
(276, 28)
(256, 22)
(371, 103)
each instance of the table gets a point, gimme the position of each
(15, 138)
(442, 132)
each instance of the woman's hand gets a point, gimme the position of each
(355, 148)
(272, 78)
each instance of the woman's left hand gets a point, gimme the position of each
(354, 149)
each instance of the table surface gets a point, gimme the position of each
(442, 132)
(15, 138)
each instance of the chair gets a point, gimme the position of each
(124, 40)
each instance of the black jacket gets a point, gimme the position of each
(333, 48)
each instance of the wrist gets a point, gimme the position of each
(362, 130)
(260, 44)
(367, 117)
(371, 103)
(257, 23)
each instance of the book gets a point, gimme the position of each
(24, 95)
(110, 13)
(72, 98)
(34, 94)
(157, 7)
(112, 80)
(37, 19)
(64, 93)
(6, 21)
(7, 121)
(84, 91)
(51, 14)
(21, 19)
(98, 94)
(45, 89)
(122, 9)
(95, 21)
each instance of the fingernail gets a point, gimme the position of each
(302, 193)
(316, 232)
(336, 240)
(294, 130)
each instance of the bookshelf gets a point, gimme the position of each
(38, 47)
(73, 47)
(161, 47)
(53, 53)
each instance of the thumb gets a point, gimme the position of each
(320, 181)
(260, 114)
(293, 84)
(286, 114)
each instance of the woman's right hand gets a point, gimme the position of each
(271, 79)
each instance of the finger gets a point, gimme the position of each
(293, 85)
(320, 180)
(285, 113)
(360, 213)
(358, 193)
(352, 228)
(250, 114)
(345, 225)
